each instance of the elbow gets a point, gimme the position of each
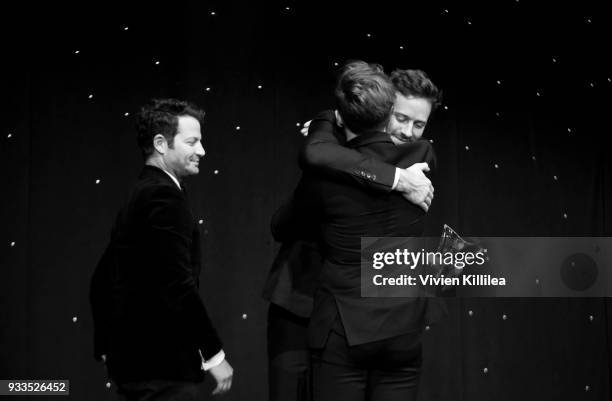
(310, 156)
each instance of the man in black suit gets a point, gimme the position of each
(291, 281)
(151, 327)
(366, 348)
(325, 152)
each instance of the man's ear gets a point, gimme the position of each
(160, 144)
(339, 121)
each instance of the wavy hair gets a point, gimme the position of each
(160, 116)
(416, 83)
(364, 96)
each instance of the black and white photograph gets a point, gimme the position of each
(306, 201)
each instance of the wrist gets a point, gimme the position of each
(396, 180)
(402, 183)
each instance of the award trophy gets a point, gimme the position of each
(451, 242)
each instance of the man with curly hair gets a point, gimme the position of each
(355, 359)
(416, 97)
(151, 327)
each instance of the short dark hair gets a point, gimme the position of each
(416, 83)
(364, 96)
(160, 116)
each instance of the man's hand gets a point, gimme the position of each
(415, 186)
(223, 374)
(304, 129)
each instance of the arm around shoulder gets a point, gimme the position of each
(324, 152)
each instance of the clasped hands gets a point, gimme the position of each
(413, 184)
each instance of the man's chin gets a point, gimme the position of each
(403, 141)
(192, 170)
(398, 141)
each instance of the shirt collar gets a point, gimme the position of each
(173, 179)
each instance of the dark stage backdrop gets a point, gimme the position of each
(520, 140)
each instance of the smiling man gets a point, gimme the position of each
(151, 327)
(362, 348)
(293, 276)
(416, 97)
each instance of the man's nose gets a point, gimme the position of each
(407, 130)
(200, 150)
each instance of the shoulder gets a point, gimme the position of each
(416, 152)
(326, 115)
(150, 190)
(163, 205)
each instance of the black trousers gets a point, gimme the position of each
(288, 356)
(386, 370)
(159, 390)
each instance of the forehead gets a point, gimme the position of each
(417, 108)
(188, 127)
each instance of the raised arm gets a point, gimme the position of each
(324, 152)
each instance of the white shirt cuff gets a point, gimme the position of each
(212, 362)
(396, 179)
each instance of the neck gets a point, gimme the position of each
(159, 163)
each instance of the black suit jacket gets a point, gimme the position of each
(347, 213)
(325, 150)
(149, 318)
(292, 277)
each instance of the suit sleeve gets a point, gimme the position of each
(323, 152)
(431, 158)
(100, 300)
(416, 152)
(170, 226)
